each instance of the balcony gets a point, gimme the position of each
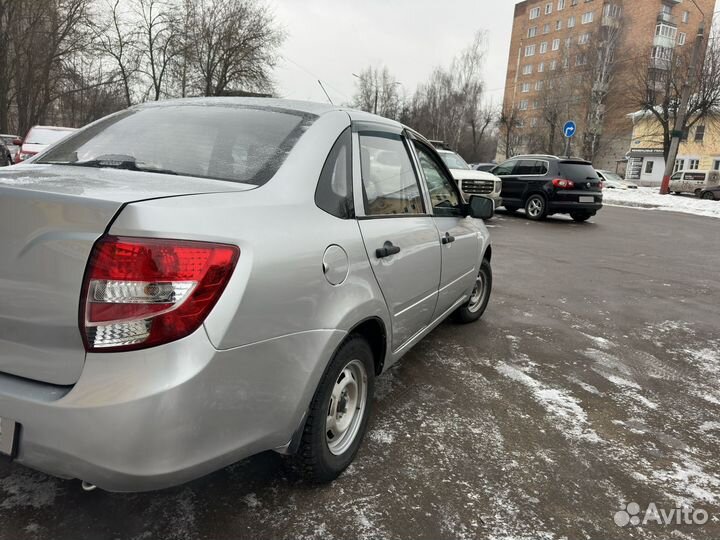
(610, 21)
(667, 18)
(662, 64)
(666, 42)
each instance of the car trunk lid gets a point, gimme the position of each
(50, 217)
(581, 173)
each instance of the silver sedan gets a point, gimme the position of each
(187, 283)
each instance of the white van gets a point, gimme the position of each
(693, 181)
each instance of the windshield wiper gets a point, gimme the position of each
(127, 163)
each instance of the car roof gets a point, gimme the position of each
(305, 107)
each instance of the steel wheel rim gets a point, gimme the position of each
(535, 207)
(346, 409)
(478, 294)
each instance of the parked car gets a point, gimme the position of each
(711, 193)
(485, 167)
(613, 180)
(10, 141)
(694, 182)
(243, 271)
(38, 139)
(472, 182)
(5, 155)
(544, 185)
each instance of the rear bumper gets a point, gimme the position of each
(568, 202)
(151, 419)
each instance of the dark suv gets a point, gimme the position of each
(546, 185)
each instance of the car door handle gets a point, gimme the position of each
(387, 250)
(447, 239)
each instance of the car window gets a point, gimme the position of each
(389, 183)
(676, 176)
(577, 171)
(444, 198)
(46, 136)
(453, 161)
(504, 169)
(233, 143)
(526, 167)
(334, 190)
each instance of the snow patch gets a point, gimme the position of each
(650, 198)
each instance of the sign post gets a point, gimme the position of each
(569, 130)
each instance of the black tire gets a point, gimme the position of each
(580, 216)
(698, 192)
(539, 212)
(511, 209)
(709, 196)
(677, 192)
(314, 460)
(472, 311)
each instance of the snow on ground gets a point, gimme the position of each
(650, 198)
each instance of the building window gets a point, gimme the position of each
(559, 25)
(566, 62)
(536, 104)
(699, 133)
(612, 10)
(527, 69)
(553, 64)
(530, 50)
(584, 38)
(693, 164)
(541, 67)
(686, 17)
(555, 44)
(523, 105)
(649, 167)
(533, 122)
(543, 47)
(581, 60)
(546, 28)
(534, 13)
(526, 87)
(588, 17)
(679, 165)
(548, 8)
(561, 5)
(666, 31)
(716, 165)
(571, 22)
(682, 38)
(539, 85)
(573, 2)
(568, 43)
(532, 31)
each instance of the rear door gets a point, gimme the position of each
(458, 234)
(400, 237)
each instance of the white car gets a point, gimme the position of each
(38, 139)
(613, 180)
(472, 182)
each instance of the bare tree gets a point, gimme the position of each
(117, 39)
(509, 123)
(157, 42)
(657, 87)
(377, 92)
(235, 45)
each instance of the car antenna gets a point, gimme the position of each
(326, 94)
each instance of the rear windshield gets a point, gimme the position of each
(577, 171)
(46, 136)
(231, 143)
(453, 161)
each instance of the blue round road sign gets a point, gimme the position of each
(569, 129)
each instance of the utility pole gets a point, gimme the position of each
(682, 109)
(377, 89)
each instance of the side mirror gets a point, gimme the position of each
(481, 207)
(17, 142)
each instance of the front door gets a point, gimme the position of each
(459, 235)
(511, 184)
(400, 237)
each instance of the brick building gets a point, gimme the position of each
(576, 59)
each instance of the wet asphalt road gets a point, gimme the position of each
(591, 381)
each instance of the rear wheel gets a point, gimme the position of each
(536, 207)
(475, 307)
(698, 192)
(708, 195)
(580, 216)
(338, 414)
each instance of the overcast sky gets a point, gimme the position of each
(332, 39)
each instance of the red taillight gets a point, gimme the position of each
(142, 292)
(601, 185)
(561, 183)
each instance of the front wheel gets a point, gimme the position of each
(536, 207)
(580, 216)
(708, 195)
(511, 209)
(338, 414)
(479, 298)
(698, 192)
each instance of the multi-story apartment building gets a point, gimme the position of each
(581, 60)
